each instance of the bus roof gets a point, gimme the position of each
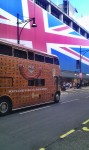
(24, 47)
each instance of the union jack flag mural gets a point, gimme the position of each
(51, 35)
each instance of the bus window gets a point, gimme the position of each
(20, 54)
(56, 61)
(39, 82)
(30, 82)
(36, 82)
(39, 58)
(30, 55)
(5, 50)
(49, 60)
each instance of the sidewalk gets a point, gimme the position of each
(71, 89)
(87, 87)
(75, 139)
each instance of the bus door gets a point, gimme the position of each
(57, 89)
(57, 83)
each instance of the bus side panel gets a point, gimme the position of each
(15, 86)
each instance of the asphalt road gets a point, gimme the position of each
(35, 128)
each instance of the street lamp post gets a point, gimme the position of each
(80, 59)
(24, 21)
(80, 73)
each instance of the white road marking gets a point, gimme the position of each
(49, 106)
(33, 110)
(70, 101)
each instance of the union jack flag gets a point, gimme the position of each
(51, 35)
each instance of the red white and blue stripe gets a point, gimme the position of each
(51, 35)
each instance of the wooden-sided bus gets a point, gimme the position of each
(27, 77)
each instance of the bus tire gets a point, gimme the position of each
(57, 97)
(5, 106)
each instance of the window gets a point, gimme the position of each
(5, 50)
(56, 61)
(49, 60)
(36, 82)
(39, 82)
(39, 58)
(43, 5)
(20, 53)
(31, 55)
(30, 82)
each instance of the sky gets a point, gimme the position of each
(82, 7)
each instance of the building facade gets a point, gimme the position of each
(55, 33)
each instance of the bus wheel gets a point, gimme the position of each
(57, 97)
(5, 107)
